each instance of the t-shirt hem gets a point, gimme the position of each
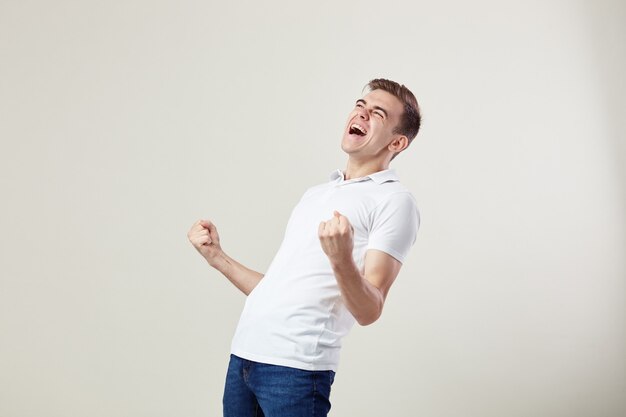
(307, 366)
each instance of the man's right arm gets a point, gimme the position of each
(204, 237)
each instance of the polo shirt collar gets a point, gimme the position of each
(379, 177)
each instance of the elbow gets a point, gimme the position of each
(373, 313)
(366, 322)
(367, 319)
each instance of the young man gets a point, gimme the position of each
(343, 247)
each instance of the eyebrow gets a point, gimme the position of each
(375, 107)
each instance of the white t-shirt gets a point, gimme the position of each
(295, 316)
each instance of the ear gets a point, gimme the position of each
(399, 144)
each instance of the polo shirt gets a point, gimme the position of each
(295, 315)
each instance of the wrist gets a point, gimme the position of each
(217, 261)
(340, 263)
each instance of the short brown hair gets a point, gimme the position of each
(411, 119)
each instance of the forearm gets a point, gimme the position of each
(242, 277)
(361, 297)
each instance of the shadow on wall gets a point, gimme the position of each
(607, 30)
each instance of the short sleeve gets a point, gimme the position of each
(394, 224)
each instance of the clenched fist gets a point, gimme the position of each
(336, 237)
(204, 237)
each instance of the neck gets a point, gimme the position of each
(358, 169)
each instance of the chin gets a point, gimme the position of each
(346, 147)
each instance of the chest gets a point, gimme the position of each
(319, 205)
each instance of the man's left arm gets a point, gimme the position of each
(363, 292)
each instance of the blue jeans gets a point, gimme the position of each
(256, 389)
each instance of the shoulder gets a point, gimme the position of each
(395, 194)
(315, 189)
(396, 207)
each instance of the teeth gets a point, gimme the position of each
(359, 127)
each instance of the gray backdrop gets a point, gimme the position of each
(123, 122)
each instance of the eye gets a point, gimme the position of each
(359, 105)
(379, 114)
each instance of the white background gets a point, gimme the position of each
(123, 122)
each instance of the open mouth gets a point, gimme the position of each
(357, 129)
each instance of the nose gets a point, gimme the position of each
(363, 114)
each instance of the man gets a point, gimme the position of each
(343, 248)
